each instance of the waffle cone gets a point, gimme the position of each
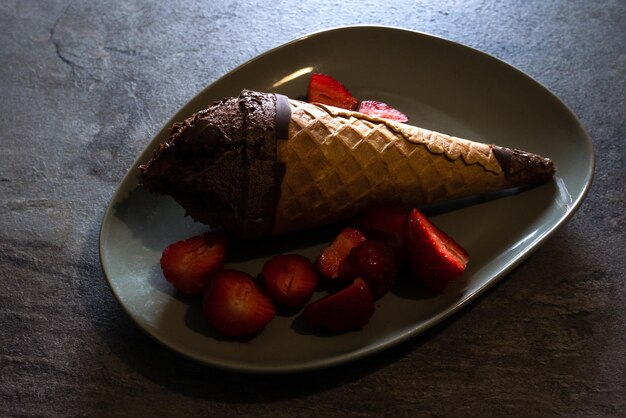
(261, 164)
(338, 162)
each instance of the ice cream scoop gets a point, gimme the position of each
(262, 164)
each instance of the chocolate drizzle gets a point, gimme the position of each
(220, 164)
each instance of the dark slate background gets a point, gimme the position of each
(85, 85)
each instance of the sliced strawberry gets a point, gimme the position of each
(326, 90)
(351, 307)
(235, 306)
(290, 279)
(375, 262)
(333, 263)
(382, 110)
(434, 257)
(187, 264)
(387, 223)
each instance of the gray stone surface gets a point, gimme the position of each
(86, 84)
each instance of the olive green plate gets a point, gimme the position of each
(442, 86)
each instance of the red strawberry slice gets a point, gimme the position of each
(435, 258)
(333, 263)
(349, 308)
(187, 264)
(375, 262)
(387, 223)
(290, 279)
(235, 306)
(382, 110)
(326, 90)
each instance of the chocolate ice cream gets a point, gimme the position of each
(220, 164)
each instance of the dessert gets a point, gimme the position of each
(234, 305)
(375, 263)
(385, 223)
(187, 264)
(381, 110)
(434, 257)
(332, 264)
(261, 164)
(349, 308)
(360, 268)
(290, 280)
(326, 90)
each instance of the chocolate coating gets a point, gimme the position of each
(523, 168)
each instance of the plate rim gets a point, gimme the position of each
(370, 349)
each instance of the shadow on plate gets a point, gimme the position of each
(154, 219)
(157, 219)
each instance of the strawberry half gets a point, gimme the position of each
(375, 262)
(326, 90)
(351, 307)
(290, 279)
(235, 306)
(333, 263)
(386, 223)
(187, 264)
(434, 257)
(381, 110)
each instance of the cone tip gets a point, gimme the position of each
(523, 168)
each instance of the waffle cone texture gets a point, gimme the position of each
(261, 164)
(338, 162)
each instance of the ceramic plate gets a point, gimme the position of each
(442, 86)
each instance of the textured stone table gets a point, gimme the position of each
(85, 85)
